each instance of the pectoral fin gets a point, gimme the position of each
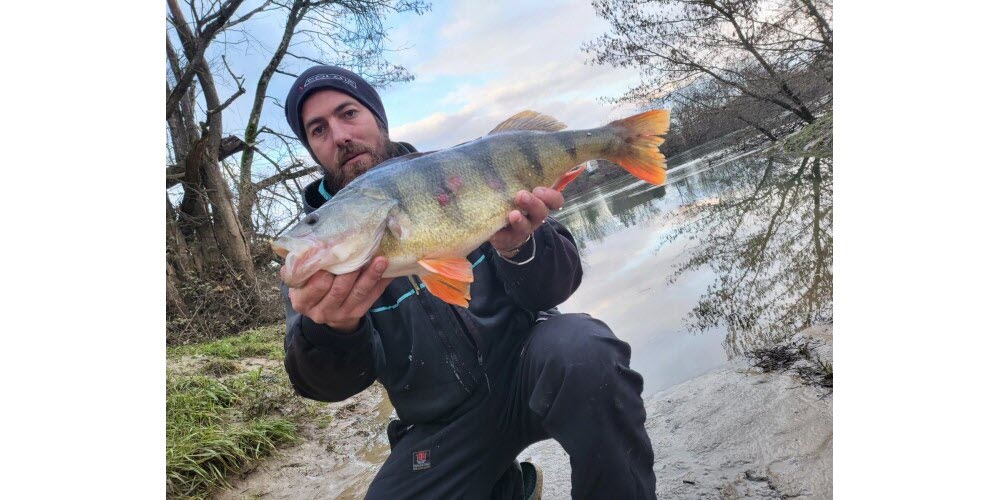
(449, 279)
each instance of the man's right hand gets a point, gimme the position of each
(341, 301)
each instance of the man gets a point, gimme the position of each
(472, 387)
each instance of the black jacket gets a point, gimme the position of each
(430, 355)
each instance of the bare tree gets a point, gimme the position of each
(214, 225)
(749, 60)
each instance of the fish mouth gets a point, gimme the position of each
(303, 258)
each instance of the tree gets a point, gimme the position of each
(220, 218)
(750, 60)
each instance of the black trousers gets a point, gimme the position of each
(569, 379)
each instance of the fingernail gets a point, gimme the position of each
(380, 266)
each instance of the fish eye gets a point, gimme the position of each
(312, 219)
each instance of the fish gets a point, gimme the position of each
(426, 212)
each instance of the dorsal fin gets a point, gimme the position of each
(530, 120)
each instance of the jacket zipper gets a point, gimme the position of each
(413, 283)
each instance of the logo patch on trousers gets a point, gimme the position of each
(422, 460)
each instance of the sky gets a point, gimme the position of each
(475, 64)
(478, 63)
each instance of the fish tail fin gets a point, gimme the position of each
(641, 155)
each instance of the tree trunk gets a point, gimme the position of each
(247, 189)
(204, 157)
(175, 303)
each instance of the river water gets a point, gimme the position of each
(733, 252)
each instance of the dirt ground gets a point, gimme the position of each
(732, 433)
(336, 460)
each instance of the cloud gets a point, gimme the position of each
(531, 57)
(496, 36)
(567, 92)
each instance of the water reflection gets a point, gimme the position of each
(769, 239)
(744, 246)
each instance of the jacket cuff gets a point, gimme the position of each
(324, 337)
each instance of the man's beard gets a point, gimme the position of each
(339, 177)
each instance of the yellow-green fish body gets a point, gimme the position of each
(426, 212)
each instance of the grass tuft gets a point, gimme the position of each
(219, 367)
(217, 427)
(261, 342)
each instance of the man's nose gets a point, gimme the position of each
(341, 136)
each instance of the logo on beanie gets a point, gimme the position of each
(325, 76)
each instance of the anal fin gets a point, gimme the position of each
(569, 176)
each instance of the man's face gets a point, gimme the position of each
(343, 134)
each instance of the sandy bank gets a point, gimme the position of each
(732, 433)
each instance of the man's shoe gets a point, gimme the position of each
(532, 477)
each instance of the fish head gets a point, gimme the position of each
(339, 237)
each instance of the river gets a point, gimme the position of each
(730, 254)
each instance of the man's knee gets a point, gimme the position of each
(578, 352)
(576, 366)
(572, 343)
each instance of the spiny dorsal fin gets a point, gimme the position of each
(530, 120)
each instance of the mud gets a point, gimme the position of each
(338, 456)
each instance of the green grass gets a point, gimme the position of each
(262, 342)
(219, 367)
(216, 426)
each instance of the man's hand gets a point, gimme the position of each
(532, 207)
(341, 301)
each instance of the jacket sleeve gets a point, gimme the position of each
(326, 365)
(548, 279)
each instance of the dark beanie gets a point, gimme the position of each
(334, 78)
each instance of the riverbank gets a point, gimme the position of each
(737, 432)
(233, 418)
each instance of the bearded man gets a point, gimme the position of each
(472, 387)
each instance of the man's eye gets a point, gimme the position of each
(316, 131)
(351, 113)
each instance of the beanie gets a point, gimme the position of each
(333, 78)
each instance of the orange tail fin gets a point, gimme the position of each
(641, 155)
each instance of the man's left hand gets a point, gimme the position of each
(533, 208)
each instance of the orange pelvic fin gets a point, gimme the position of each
(449, 279)
(569, 176)
(641, 156)
(455, 268)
